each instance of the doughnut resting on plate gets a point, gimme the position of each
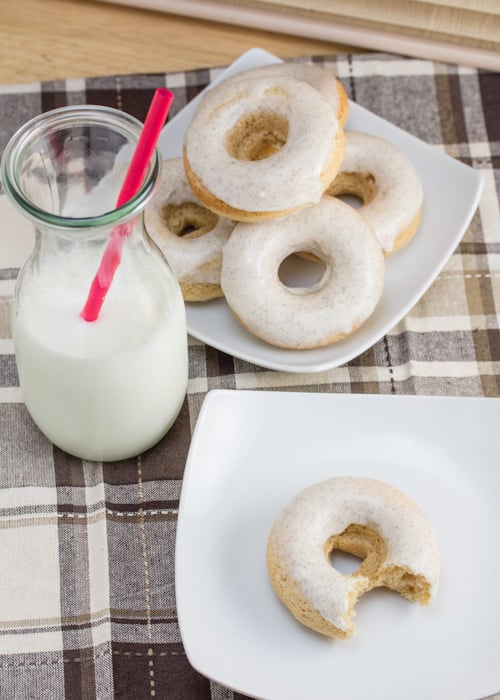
(262, 148)
(190, 235)
(364, 517)
(388, 185)
(343, 298)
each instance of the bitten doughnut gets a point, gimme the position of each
(262, 148)
(304, 317)
(190, 236)
(364, 517)
(327, 84)
(388, 185)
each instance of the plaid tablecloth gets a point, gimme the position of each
(87, 600)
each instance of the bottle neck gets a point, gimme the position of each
(64, 170)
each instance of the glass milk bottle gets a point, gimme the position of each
(111, 388)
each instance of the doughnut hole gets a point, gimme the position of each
(257, 135)
(352, 200)
(302, 271)
(345, 563)
(189, 219)
(362, 542)
(360, 186)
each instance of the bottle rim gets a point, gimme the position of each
(66, 116)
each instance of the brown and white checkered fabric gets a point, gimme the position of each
(87, 600)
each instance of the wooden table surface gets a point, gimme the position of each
(51, 39)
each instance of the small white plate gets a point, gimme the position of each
(451, 192)
(250, 453)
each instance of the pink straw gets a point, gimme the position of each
(143, 153)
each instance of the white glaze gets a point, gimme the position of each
(289, 178)
(327, 508)
(296, 317)
(399, 194)
(325, 83)
(192, 259)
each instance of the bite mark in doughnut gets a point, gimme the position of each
(304, 317)
(364, 517)
(262, 148)
(190, 235)
(388, 185)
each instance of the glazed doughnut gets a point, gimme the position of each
(190, 236)
(262, 148)
(364, 517)
(297, 317)
(325, 83)
(388, 185)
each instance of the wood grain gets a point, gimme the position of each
(53, 39)
(471, 23)
(464, 32)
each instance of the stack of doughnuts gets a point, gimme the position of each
(265, 161)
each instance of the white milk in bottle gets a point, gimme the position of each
(108, 389)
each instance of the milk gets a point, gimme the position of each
(112, 388)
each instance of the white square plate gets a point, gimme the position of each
(451, 192)
(250, 453)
